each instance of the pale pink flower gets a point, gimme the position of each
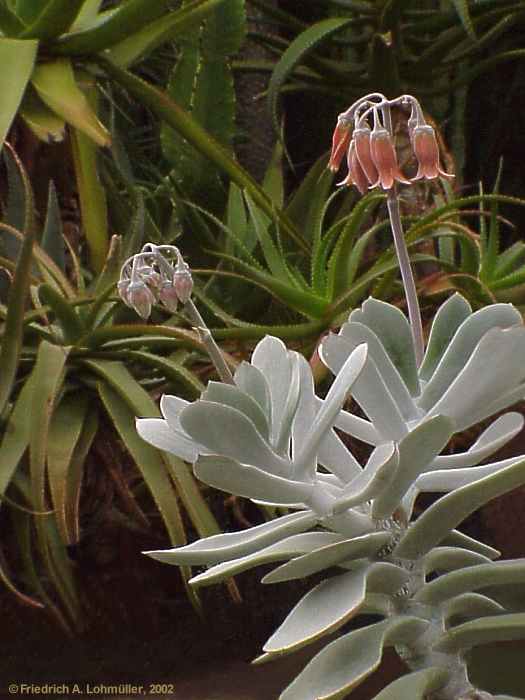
(426, 149)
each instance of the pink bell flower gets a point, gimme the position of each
(356, 175)
(385, 159)
(427, 153)
(340, 141)
(361, 137)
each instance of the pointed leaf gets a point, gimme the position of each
(231, 545)
(285, 549)
(53, 20)
(56, 85)
(416, 451)
(331, 555)
(17, 58)
(345, 663)
(450, 510)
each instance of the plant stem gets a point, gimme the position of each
(209, 343)
(414, 313)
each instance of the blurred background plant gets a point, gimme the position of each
(206, 123)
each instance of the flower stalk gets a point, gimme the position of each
(372, 162)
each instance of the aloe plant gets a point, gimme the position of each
(73, 362)
(270, 438)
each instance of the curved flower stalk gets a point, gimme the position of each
(268, 437)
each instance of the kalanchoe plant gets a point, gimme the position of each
(269, 437)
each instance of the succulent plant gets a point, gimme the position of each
(268, 437)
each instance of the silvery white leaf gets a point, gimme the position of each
(226, 431)
(393, 330)
(500, 403)
(356, 333)
(369, 390)
(496, 628)
(471, 605)
(158, 433)
(230, 395)
(378, 472)
(326, 557)
(462, 347)
(451, 558)
(284, 432)
(250, 482)
(501, 431)
(283, 550)
(337, 458)
(450, 510)
(328, 606)
(447, 320)
(231, 545)
(351, 523)
(455, 538)
(471, 579)
(346, 662)
(358, 427)
(273, 360)
(171, 406)
(415, 686)
(251, 380)
(416, 452)
(325, 418)
(445, 480)
(322, 610)
(475, 385)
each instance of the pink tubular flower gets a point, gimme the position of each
(356, 175)
(384, 158)
(141, 298)
(427, 153)
(361, 137)
(340, 141)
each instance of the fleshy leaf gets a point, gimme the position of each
(213, 425)
(497, 628)
(416, 451)
(390, 325)
(331, 555)
(231, 545)
(285, 549)
(328, 606)
(415, 686)
(250, 482)
(447, 320)
(345, 663)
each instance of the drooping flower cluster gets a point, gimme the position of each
(156, 274)
(370, 152)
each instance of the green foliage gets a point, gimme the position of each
(71, 361)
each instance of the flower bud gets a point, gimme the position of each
(384, 158)
(340, 141)
(361, 137)
(140, 298)
(183, 284)
(427, 153)
(168, 296)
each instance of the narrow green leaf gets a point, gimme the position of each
(10, 24)
(178, 119)
(167, 28)
(128, 17)
(14, 328)
(52, 240)
(66, 315)
(462, 8)
(296, 52)
(64, 433)
(93, 203)
(16, 436)
(56, 84)
(53, 19)
(272, 255)
(17, 58)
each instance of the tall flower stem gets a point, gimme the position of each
(216, 356)
(414, 313)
